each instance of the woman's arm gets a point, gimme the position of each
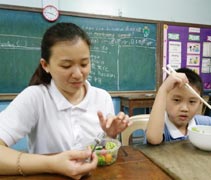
(68, 163)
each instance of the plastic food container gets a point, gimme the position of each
(107, 151)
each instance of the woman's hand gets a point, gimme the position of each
(73, 163)
(113, 125)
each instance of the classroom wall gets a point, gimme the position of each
(189, 11)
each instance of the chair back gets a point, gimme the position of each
(139, 122)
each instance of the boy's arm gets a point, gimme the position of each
(155, 127)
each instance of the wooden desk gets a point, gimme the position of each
(181, 160)
(140, 101)
(130, 165)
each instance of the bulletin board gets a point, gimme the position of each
(124, 51)
(189, 45)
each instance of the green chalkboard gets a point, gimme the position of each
(123, 52)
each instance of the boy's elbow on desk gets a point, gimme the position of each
(153, 140)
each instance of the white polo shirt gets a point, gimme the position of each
(50, 121)
(173, 130)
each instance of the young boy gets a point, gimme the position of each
(175, 108)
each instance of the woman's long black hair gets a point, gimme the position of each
(56, 33)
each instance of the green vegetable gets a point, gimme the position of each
(195, 129)
(101, 160)
(99, 147)
(110, 145)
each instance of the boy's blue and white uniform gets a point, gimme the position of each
(171, 133)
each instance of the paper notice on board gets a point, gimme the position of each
(206, 65)
(207, 49)
(176, 66)
(175, 55)
(195, 69)
(175, 46)
(193, 60)
(174, 58)
(193, 48)
(194, 30)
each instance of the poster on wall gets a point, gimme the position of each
(189, 47)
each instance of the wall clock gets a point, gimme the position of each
(50, 13)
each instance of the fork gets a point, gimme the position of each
(98, 140)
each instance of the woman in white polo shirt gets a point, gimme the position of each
(60, 112)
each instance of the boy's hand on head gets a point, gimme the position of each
(173, 80)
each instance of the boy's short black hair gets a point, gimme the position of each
(193, 78)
